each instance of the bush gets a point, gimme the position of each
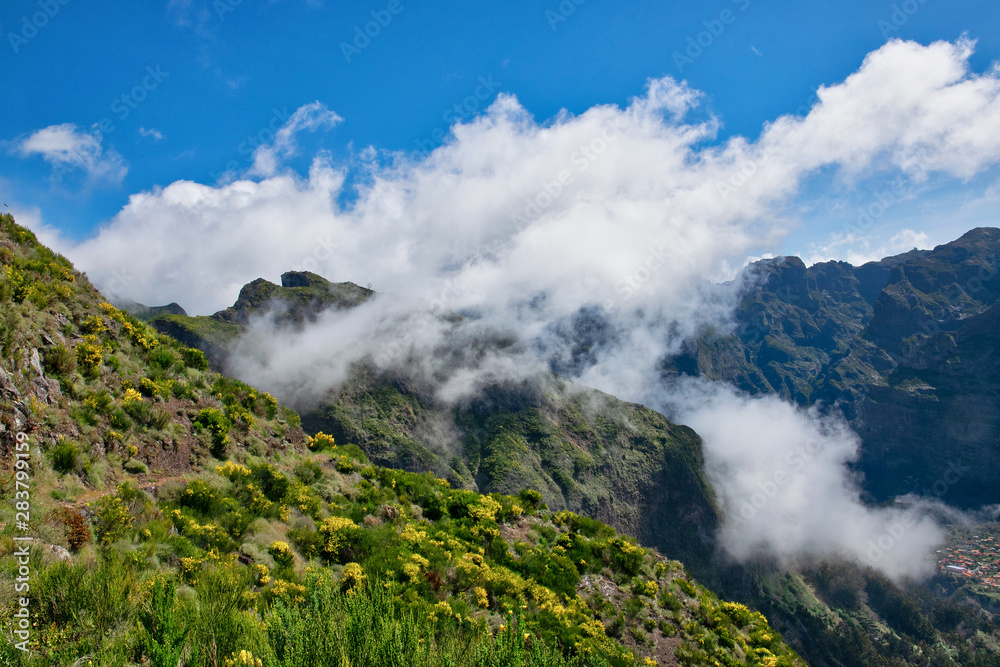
(163, 358)
(308, 472)
(59, 360)
(320, 441)
(194, 358)
(93, 325)
(111, 519)
(216, 423)
(291, 417)
(89, 355)
(281, 553)
(119, 420)
(136, 467)
(163, 636)
(145, 414)
(77, 530)
(198, 496)
(532, 498)
(64, 456)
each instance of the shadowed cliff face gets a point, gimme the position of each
(583, 450)
(907, 348)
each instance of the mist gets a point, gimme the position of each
(589, 244)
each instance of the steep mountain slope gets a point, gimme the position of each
(907, 348)
(583, 450)
(632, 468)
(179, 517)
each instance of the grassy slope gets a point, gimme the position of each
(179, 517)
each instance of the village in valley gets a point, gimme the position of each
(974, 555)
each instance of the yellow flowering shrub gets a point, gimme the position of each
(353, 577)
(482, 599)
(89, 356)
(281, 553)
(288, 591)
(189, 568)
(131, 396)
(320, 441)
(410, 533)
(412, 572)
(243, 658)
(233, 471)
(485, 510)
(335, 532)
(93, 325)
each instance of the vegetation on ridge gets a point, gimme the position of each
(181, 517)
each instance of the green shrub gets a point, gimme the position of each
(164, 359)
(64, 456)
(291, 417)
(136, 467)
(281, 553)
(308, 472)
(532, 499)
(93, 325)
(194, 358)
(59, 360)
(119, 420)
(89, 355)
(164, 632)
(198, 496)
(100, 401)
(111, 518)
(215, 422)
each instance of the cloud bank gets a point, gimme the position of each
(587, 242)
(781, 474)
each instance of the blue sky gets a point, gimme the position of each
(181, 85)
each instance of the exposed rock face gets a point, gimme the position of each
(907, 348)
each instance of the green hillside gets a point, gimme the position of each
(179, 517)
(631, 468)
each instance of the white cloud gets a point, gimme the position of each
(481, 204)
(782, 479)
(311, 117)
(151, 133)
(858, 250)
(520, 224)
(67, 148)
